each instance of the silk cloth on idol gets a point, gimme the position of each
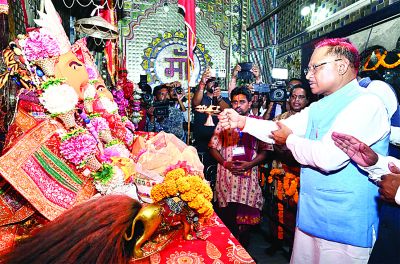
(37, 184)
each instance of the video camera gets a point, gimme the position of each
(147, 100)
(245, 71)
(261, 88)
(161, 109)
(278, 92)
(177, 90)
(146, 91)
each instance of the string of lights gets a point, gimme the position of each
(118, 4)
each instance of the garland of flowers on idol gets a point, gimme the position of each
(121, 126)
(119, 97)
(192, 189)
(80, 145)
(137, 96)
(122, 103)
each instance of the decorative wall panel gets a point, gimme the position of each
(219, 28)
(154, 24)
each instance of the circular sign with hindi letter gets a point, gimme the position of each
(166, 60)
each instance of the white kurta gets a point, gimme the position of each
(355, 119)
(324, 154)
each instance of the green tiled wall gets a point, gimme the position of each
(292, 28)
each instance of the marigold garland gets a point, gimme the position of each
(381, 61)
(190, 188)
(287, 183)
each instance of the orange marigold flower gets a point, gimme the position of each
(170, 187)
(157, 193)
(175, 174)
(189, 196)
(183, 184)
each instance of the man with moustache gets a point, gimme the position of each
(238, 192)
(337, 218)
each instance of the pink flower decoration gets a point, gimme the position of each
(129, 137)
(114, 151)
(181, 164)
(129, 125)
(99, 123)
(40, 45)
(78, 148)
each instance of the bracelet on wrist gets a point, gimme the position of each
(224, 163)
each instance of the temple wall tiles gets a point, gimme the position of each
(292, 62)
(218, 13)
(155, 25)
(291, 23)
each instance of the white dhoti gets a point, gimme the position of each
(308, 249)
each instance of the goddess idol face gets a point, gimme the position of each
(74, 71)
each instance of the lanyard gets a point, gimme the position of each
(240, 143)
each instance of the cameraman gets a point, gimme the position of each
(280, 107)
(233, 83)
(176, 94)
(171, 119)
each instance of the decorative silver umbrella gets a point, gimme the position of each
(96, 27)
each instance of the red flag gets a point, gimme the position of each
(110, 50)
(188, 7)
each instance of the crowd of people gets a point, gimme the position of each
(318, 146)
(338, 209)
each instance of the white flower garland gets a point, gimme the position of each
(59, 98)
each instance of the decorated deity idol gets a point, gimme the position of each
(57, 141)
(67, 143)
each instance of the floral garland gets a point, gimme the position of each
(121, 101)
(40, 45)
(77, 146)
(136, 114)
(58, 97)
(381, 61)
(192, 189)
(289, 187)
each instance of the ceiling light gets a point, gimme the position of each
(305, 11)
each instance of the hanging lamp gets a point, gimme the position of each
(96, 27)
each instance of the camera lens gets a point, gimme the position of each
(178, 90)
(147, 99)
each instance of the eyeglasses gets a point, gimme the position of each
(314, 67)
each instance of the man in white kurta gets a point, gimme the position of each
(337, 216)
